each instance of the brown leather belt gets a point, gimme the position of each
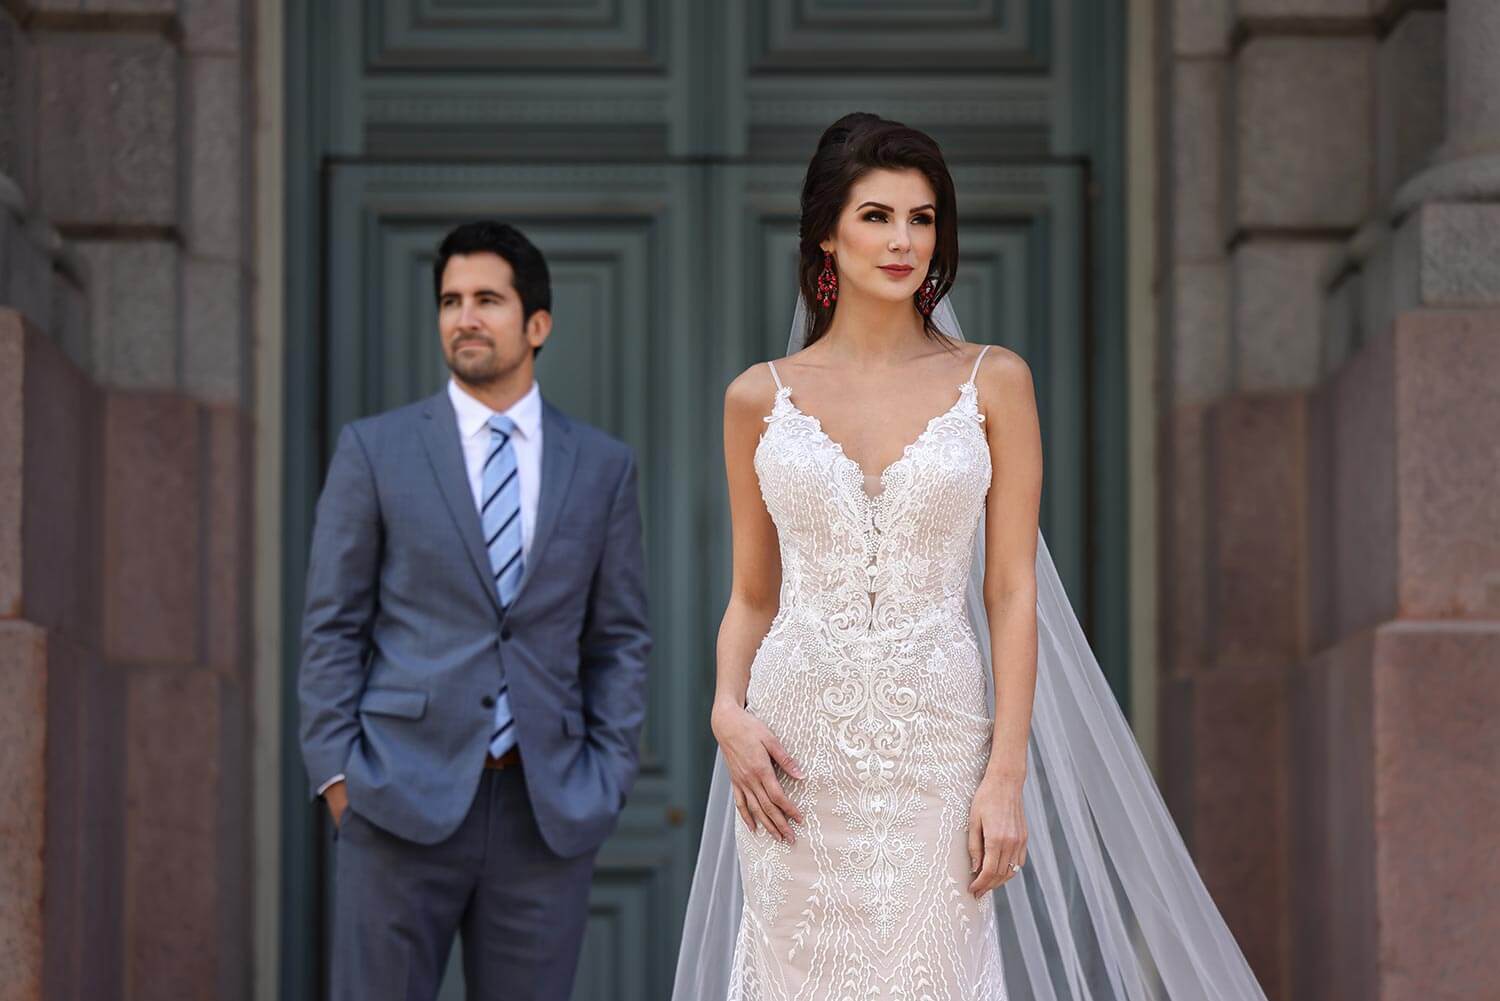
(509, 758)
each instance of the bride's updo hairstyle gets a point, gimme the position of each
(851, 147)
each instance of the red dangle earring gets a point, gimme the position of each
(927, 296)
(828, 281)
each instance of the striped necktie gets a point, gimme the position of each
(501, 518)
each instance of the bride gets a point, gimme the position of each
(936, 795)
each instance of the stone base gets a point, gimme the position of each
(1334, 806)
(1225, 750)
(1436, 723)
(23, 806)
(1396, 743)
(124, 640)
(1340, 814)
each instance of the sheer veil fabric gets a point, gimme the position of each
(1109, 906)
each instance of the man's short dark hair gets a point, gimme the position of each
(484, 236)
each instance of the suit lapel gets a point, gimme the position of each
(440, 435)
(559, 454)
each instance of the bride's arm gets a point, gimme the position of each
(749, 746)
(997, 833)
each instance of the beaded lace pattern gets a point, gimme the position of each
(871, 677)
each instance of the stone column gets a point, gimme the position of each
(1331, 541)
(1396, 715)
(1467, 167)
(125, 548)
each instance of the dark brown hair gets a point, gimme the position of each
(850, 148)
(485, 236)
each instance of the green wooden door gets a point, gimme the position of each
(654, 150)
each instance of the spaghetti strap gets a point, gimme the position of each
(983, 351)
(774, 375)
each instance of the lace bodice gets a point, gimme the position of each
(874, 564)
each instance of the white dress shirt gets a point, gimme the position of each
(474, 436)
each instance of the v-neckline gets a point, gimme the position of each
(838, 449)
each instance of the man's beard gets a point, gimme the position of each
(477, 368)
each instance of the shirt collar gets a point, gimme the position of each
(474, 417)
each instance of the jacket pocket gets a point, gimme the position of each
(405, 703)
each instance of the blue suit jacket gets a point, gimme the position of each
(403, 637)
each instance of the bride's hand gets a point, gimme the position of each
(749, 749)
(997, 832)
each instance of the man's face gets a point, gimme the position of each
(480, 320)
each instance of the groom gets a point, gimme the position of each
(473, 655)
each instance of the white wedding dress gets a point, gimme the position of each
(875, 675)
(871, 677)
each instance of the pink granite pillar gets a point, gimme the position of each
(124, 794)
(1238, 570)
(1396, 724)
(60, 736)
(174, 552)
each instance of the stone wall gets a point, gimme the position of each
(125, 485)
(1330, 461)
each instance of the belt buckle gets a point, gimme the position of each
(504, 761)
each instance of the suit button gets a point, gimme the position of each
(505, 634)
(488, 702)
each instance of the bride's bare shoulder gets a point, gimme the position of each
(1004, 378)
(962, 354)
(752, 392)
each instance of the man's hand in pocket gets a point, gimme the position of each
(337, 798)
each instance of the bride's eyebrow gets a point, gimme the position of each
(886, 208)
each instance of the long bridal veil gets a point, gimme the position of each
(1109, 906)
